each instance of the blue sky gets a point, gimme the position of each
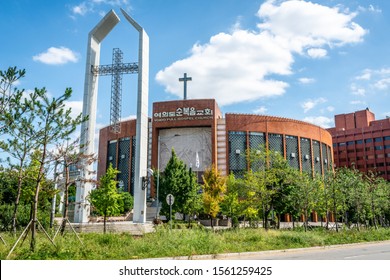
(297, 59)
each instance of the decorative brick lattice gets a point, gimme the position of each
(275, 143)
(237, 147)
(325, 158)
(306, 155)
(330, 157)
(256, 144)
(317, 157)
(124, 162)
(111, 154)
(292, 151)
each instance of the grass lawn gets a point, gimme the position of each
(180, 242)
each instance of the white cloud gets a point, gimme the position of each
(317, 26)
(324, 122)
(80, 9)
(55, 56)
(357, 102)
(371, 8)
(231, 68)
(330, 108)
(130, 117)
(244, 65)
(371, 81)
(310, 104)
(306, 80)
(76, 106)
(356, 90)
(366, 75)
(260, 110)
(90, 6)
(382, 84)
(317, 52)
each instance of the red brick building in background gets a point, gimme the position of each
(361, 141)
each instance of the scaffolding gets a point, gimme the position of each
(116, 70)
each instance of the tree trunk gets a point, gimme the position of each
(293, 221)
(373, 213)
(327, 219)
(66, 201)
(266, 219)
(104, 223)
(335, 215)
(34, 218)
(17, 200)
(35, 202)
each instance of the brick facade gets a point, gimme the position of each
(363, 142)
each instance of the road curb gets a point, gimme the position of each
(265, 253)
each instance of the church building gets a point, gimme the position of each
(202, 135)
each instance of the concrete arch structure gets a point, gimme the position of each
(87, 138)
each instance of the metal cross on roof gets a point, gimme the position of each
(116, 69)
(185, 79)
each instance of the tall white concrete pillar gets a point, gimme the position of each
(141, 160)
(87, 138)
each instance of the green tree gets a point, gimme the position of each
(354, 195)
(16, 118)
(193, 204)
(339, 193)
(292, 205)
(214, 189)
(8, 185)
(232, 202)
(322, 200)
(271, 172)
(9, 93)
(254, 195)
(106, 199)
(53, 124)
(68, 154)
(20, 141)
(305, 194)
(378, 202)
(181, 183)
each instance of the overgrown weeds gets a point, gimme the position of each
(180, 242)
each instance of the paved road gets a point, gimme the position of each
(363, 251)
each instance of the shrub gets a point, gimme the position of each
(127, 202)
(22, 218)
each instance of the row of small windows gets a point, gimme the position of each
(368, 157)
(310, 151)
(373, 165)
(361, 141)
(367, 149)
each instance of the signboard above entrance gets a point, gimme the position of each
(184, 113)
